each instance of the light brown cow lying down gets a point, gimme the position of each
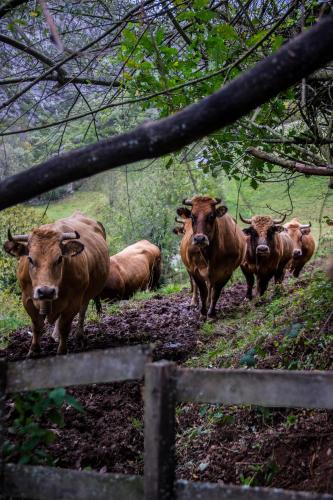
(137, 267)
(62, 266)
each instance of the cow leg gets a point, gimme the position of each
(214, 297)
(203, 294)
(55, 334)
(64, 326)
(80, 327)
(297, 270)
(195, 293)
(280, 273)
(262, 284)
(250, 283)
(37, 331)
(37, 328)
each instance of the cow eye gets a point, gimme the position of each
(210, 217)
(193, 217)
(59, 260)
(30, 260)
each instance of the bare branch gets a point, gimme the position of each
(295, 166)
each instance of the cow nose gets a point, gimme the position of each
(200, 239)
(46, 292)
(297, 253)
(262, 249)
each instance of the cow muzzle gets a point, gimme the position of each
(45, 293)
(262, 250)
(200, 240)
(297, 253)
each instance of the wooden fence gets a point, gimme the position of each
(165, 386)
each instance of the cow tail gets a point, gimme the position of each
(98, 305)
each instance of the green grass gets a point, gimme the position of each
(285, 326)
(90, 203)
(12, 315)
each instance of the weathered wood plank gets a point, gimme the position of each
(39, 483)
(208, 491)
(270, 388)
(100, 366)
(3, 376)
(159, 473)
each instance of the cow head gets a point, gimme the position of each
(296, 231)
(261, 233)
(46, 251)
(203, 215)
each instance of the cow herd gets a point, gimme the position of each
(62, 266)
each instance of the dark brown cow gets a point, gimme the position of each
(135, 268)
(304, 244)
(62, 266)
(269, 251)
(211, 249)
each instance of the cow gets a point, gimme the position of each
(304, 244)
(268, 252)
(212, 248)
(61, 267)
(135, 268)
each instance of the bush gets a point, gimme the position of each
(19, 220)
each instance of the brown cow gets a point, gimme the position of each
(137, 267)
(269, 251)
(211, 249)
(62, 266)
(304, 244)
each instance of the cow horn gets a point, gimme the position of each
(305, 226)
(17, 237)
(280, 220)
(217, 201)
(246, 221)
(179, 221)
(70, 236)
(187, 201)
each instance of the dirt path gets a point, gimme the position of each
(232, 445)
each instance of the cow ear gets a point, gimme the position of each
(306, 230)
(72, 248)
(247, 230)
(220, 211)
(184, 212)
(15, 249)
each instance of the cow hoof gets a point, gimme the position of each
(62, 350)
(211, 318)
(82, 341)
(33, 352)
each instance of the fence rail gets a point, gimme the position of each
(37, 482)
(100, 366)
(288, 389)
(165, 386)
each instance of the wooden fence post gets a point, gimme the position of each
(3, 371)
(159, 431)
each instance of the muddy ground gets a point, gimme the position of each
(239, 445)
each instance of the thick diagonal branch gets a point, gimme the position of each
(32, 52)
(294, 166)
(291, 63)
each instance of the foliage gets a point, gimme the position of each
(38, 414)
(20, 221)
